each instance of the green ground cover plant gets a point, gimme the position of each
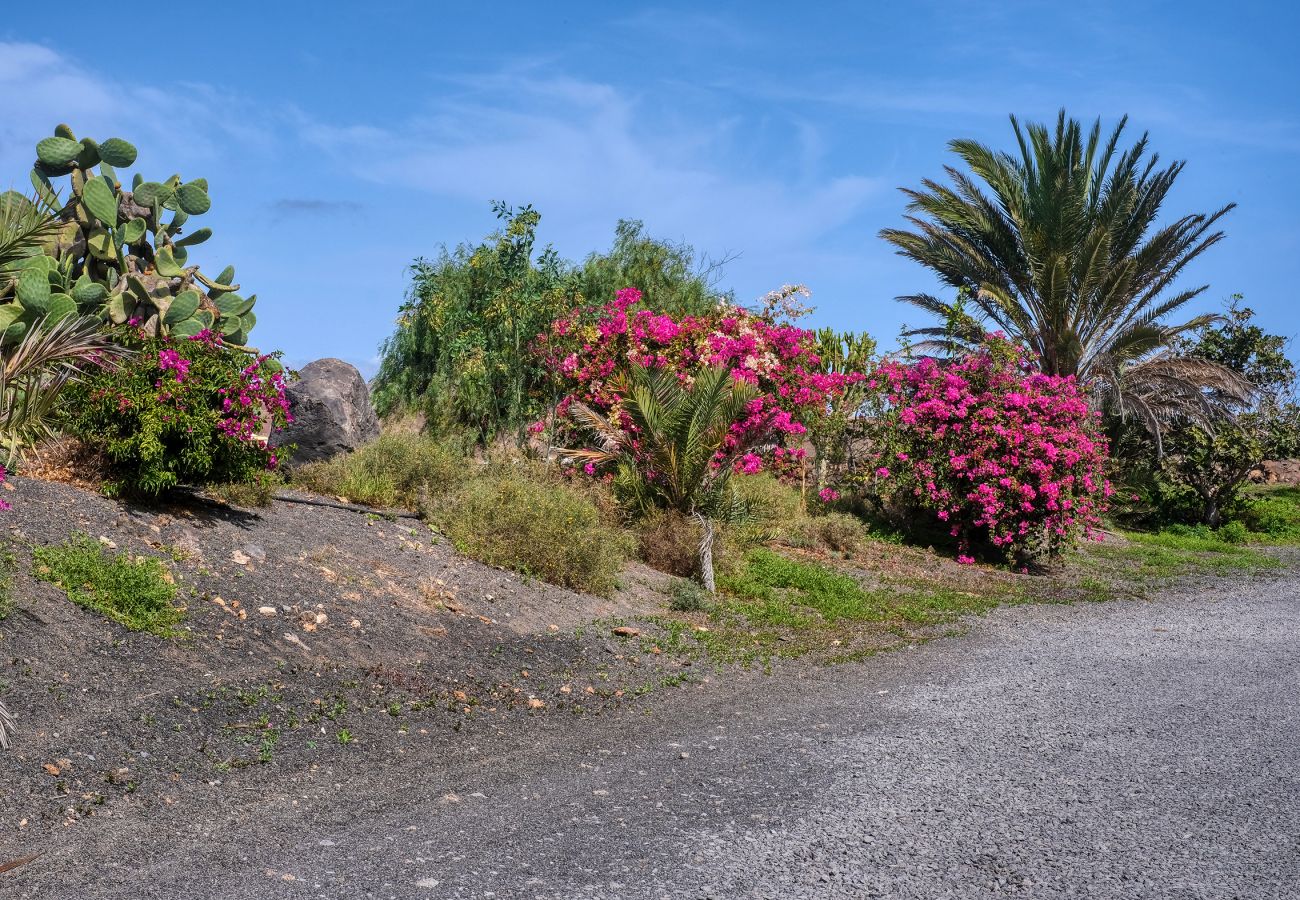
(136, 592)
(537, 525)
(406, 470)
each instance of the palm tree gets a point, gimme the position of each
(1059, 247)
(670, 446)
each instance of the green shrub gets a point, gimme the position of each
(256, 493)
(137, 593)
(1274, 513)
(183, 411)
(688, 596)
(394, 470)
(525, 521)
(7, 565)
(1233, 533)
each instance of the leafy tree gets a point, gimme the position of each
(1059, 246)
(461, 348)
(671, 444)
(462, 351)
(1214, 465)
(667, 274)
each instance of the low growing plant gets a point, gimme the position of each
(136, 592)
(394, 470)
(535, 525)
(180, 411)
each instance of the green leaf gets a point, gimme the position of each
(183, 307)
(57, 151)
(150, 193)
(133, 230)
(87, 292)
(100, 243)
(89, 155)
(44, 190)
(61, 306)
(197, 237)
(120, 307)
(227, 276)
(193, 199)
(14, 333)
(9, 314)
(187, 327)
(166, 264)
(117, 152)
(101, 201)
(233, 305)
(34, 290)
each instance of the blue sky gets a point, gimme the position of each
(341, 145)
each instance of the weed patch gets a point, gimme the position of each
(136, 592)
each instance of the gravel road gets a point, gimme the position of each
(1125, 750)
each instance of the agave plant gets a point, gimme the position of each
(669, 443)
(1059, 247)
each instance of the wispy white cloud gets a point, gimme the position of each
(587, 153)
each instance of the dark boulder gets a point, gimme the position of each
(331, 410)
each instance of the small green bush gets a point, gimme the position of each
(1233, 533)
(394, 470)
(7, 565)
(182, 411)
(523, 520)
(1275, 513)
(137, 593)
(255, 493)
(688, 596)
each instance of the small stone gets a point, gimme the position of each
(683, 755)
(625, 631)
(536, 703)
(253, 551)
(111, 545)
(321, 618)
(240, 558)
(268, 611)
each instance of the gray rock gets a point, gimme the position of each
(330, 404)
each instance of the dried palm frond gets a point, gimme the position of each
(34, 372)
(6, 726)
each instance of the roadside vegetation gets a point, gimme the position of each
(1062, 428)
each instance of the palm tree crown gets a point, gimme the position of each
(1060, 247)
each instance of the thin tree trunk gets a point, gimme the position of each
(706, 553)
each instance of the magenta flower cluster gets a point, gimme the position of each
(590, 345)
(992, 448)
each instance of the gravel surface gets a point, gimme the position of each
(1126, 750)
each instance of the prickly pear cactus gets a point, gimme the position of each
(120, 254)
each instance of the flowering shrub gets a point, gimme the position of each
(993, 449)
(180, 410)
(590, 347)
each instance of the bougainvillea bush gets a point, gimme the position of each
(1003, 456)
(180, 411)
(589, 348)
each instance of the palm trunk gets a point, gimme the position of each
(706, 553)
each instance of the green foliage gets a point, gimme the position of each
(535, 525)
(687, 596)
(1062, 247)
(37, 369)
(137, 593)
(174, 413)
(7, 565)
(406, 470)
(1207, 468)
(835, 436)
(778, 587)
(461, 351)
(113, 253)
(668, 275)
(1272, 515)
(256, 493)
